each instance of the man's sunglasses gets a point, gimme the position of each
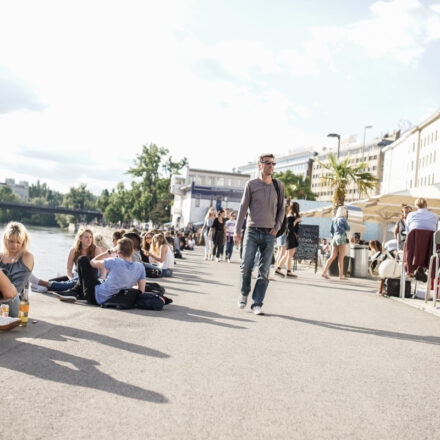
(267, 162)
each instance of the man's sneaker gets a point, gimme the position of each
(67, 296)
(257, 310)
(38, 288)
(242, 302)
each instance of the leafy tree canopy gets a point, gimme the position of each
(340, 174)
(296, 186)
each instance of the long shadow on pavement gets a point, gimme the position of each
(47, 363)
(434, 340)
(187, 314)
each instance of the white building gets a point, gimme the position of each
(299, 162)
(20, 189)
(413, 160)
(195, 191)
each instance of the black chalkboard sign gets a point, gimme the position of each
(308, 242)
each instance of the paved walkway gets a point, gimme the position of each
(330, 360)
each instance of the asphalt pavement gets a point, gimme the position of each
(329, 360)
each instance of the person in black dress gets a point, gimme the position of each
(218, 234)
(293, 221)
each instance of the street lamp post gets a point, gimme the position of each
(363, 145)
(335, 135)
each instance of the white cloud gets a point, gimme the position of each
(113, 77)
(399, 28)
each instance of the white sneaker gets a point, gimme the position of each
(217, 259)
(229, 260)
(242, 302)
(38, 288)
(257, 310)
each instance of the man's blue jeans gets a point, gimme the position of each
(256, 239)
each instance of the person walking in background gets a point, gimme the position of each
(282, 254)
(207, 225)
(400, 228)
(218, 235)
(324, 251)
(230, 228)
(264, 199)
(338, 231)
(293, 221)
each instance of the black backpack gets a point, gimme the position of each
(124, 299)
(284, 223)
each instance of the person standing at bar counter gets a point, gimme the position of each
(263, 200)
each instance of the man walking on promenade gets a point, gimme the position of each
(264, 198)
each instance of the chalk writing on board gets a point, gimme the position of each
(308, 242)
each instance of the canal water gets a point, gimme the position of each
(50, 247)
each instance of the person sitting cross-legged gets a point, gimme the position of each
(123, 273)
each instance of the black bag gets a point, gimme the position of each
(153, 273)
(393, 287)
(284, 222)
(125, 299)
(154, 288)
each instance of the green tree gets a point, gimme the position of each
(295, 185)
(340, 174)
(79, 198)
(10, 214)
(153, 168)
(103, 200)
(44, 194)
(118, 207)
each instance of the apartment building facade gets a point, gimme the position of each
(413, 160)
(299, 162)
(196, 190)
(20, 189)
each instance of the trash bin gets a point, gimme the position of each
(359, 260)
(333, 270)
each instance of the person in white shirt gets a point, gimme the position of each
(161, 254)
(230, 228)
(421, 218)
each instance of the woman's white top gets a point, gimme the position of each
(168, 263)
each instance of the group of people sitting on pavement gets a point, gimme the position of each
(95, 274)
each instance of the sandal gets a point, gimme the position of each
(290, 274)
(343, 278)
(324, 275)
(278, 272)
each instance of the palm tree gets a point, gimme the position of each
(296, 186)
(341, 174)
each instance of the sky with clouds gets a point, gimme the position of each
(84, 84)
